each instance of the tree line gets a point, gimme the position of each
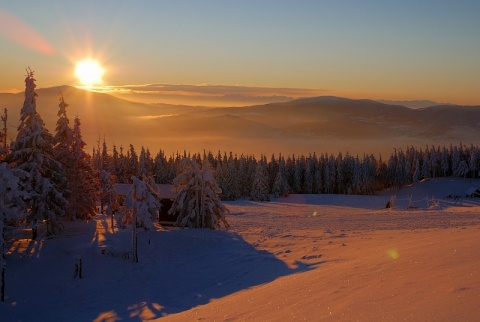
(245, 176)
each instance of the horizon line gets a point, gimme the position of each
(221, 94)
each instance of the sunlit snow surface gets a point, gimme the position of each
(312, 257)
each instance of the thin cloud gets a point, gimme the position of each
(220, 90)
(206, 94)
(151, 117)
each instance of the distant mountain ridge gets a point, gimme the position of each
(317, 124)
(413, 103)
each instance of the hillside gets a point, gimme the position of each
(318, 124)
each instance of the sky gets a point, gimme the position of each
(398, 50)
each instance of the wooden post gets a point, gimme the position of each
(77, 260)
(134, 226)
(134, 238)
(2, 249)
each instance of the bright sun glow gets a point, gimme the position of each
(89, 72)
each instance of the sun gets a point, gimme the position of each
(89, 72)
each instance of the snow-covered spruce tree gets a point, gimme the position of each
(298, 175)
(329, 174)
(357, 178)
(272, 169)
(142, 164)
(445, 162)
(84, 185)
(260, 189)
(425, 171)
(416, 170)
(32, 152)
(160, 168)
(242, 177)
(142, 203)
(473, 160)
(132, 162)
(230, 180)
(63, 137)
(309, 175)
(462, 169)
(63, 141)
(455, 158)
(318, 180)
(197, 203)
(280, 185)
(369, 173)
(120, 171)
(105, 160)
(219, 176)
(108, 195)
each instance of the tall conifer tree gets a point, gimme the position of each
(84, 184)
(63, 146)
(32, 152)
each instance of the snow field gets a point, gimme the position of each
(305, 257)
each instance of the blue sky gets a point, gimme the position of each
(368, 49)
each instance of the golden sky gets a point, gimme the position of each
(396, 50)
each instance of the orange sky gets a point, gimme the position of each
(368, 49)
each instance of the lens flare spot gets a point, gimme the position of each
(393, 254)
(18, 31)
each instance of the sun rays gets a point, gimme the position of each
(89, 72)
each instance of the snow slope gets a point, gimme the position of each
(309, 257)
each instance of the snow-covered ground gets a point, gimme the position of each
(305, 257)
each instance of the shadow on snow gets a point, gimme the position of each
(177, 270)
(181, 269)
